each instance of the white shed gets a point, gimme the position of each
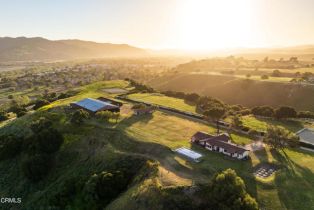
(189, 153)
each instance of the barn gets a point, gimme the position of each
(94, 105)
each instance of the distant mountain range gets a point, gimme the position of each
(40, 49)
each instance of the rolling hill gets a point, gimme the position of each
(40, 49)
(240, 91)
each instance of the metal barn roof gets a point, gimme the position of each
(306, 135)
(94, 105)
(188, 153)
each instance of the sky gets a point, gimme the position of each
(164, 24)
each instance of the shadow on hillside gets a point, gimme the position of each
(261, 155)
(129, 121)
(285, 161)
(150, 150)
(294, 184)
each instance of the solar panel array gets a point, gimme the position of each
(94, 105)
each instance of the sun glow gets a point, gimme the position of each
(212, 24)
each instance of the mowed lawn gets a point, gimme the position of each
(159, 99)
(261, 124)
(168, 129)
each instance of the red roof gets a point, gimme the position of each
(222, 140)
(200, 135)
(222, 137)
(229, 147)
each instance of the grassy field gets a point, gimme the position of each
(261, 124)
(163, 132)
(234, 90)
(94, 90)
(252, 77)
(170, 131)
(163, 100)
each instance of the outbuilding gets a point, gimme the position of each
(196, 157)
(94, 105)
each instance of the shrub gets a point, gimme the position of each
(37, 166)
(264, 76)
(3, 115)
(40, 124)
(245, 112)
(48, 140)
(40, 103)
(10, 146)
(285, 112)
(104, 115)
(227, 191)
(79, 116)
(21, 113)
(276, 73)
(139, 106)
(265, 111)
(192, 97)
(101, 188)
(306, 114)
(18, 110)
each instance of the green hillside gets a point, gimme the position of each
(141, 147)
(240, 91)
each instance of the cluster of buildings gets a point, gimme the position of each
(220, 143)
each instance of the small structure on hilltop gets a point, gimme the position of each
(196, 157)
(220, 143)
(111, 101)
(93, 105)
(140, 109)
(306, 136)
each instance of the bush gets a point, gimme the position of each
(79, 116)
(285, 112)
(21, 113)
(40, 124)
(139, 106)
(36, 167)
(264, 76)
(265, 111)
(40, 103)
(276, 73)
(10, 146)
(101, 188)
(3, 115)
(227, 191)
(104, 115)
(306, 114)
(245, 112)
(18, 110)
(192, 97)
(48, 140)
